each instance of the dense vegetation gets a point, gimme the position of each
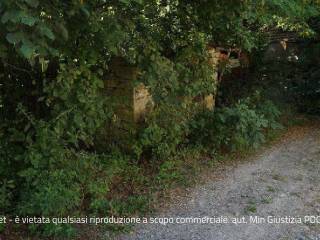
(54, 58)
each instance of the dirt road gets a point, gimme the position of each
(281, 182)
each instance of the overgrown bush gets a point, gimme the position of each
(304, 85)
(162, 136)
(236, 127)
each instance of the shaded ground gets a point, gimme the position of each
(281, 181)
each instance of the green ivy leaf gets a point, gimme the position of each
(45, 31)
(14, 38)
(32, 3)
(28, 20)
(85, 11)
(27, 49)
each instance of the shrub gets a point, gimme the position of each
(236, 127)
(162, 136)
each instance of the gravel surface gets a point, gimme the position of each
(281, 181)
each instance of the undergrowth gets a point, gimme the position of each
(56, 58)
(168, 152)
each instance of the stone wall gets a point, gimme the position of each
(214, 56)
(133, 102)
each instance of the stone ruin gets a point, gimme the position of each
(134, 102)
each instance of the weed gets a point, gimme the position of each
(271, 189)
(266, 200)
(251, 208)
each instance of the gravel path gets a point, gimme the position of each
(281, 181)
